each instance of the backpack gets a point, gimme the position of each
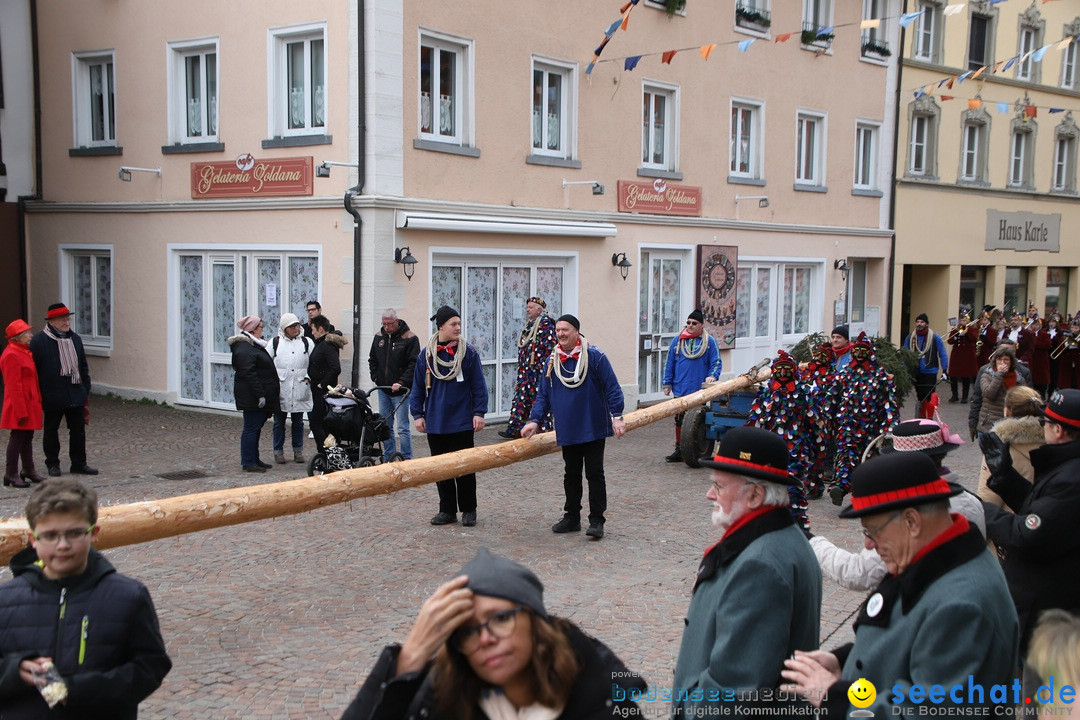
(277, 341)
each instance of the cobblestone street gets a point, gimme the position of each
(283, 618)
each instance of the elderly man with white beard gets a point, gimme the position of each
(757, 595)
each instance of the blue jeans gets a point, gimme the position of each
(297, 432)
(249, 438)
(401, 425)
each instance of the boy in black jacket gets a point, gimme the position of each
(68, 607)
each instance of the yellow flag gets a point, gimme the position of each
(868, 24)
(706, 49)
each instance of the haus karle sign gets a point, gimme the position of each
(1022, 231)
(659, 197)
(250, 177)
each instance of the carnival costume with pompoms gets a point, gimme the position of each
(867, 407)
(534, 349)
(782, 406)
(819, 379)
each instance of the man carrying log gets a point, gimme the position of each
(582, 393)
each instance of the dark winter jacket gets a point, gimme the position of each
(325, 366)
(99, 628)
(256, 375)
(330, 329)
(602, 680)
(1040, 542)
(393, 357)
(57, 391)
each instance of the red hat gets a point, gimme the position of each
(57, 310)
(17, 327)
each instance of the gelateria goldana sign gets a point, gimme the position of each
(659, 197)
(248, 176)
(1022, 231)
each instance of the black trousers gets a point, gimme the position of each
(50, 436)
(459, 492)
(925, 384)
(591, 456)
(966, 383)
(315, 417)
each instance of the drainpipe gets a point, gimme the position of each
(358, 189)
(24, 290)
(895, 184)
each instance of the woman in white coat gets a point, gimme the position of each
(291, 352)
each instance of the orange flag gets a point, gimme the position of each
(625, 20)
(945, 98)
(950, 83)
(783, 38)
(706, 49)
(974, 104)
(667, 56)
(1030, 111)
(978, 72)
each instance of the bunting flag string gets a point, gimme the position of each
(630, 62)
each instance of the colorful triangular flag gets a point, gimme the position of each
(1002, 108)
(974, 104)
(1039, 54)
(947, 98)
(907, 18)
(953, 9)
(744, 45)
(706, 49)
(963, 77)
(667, 56)
(1056, 110)
(1030, 111)
(613, 27)
(1009, 63)
(783, 37)
(631, 62)
(978, 72)
(869, 24)
(827, 30)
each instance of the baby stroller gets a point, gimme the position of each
(358, 430)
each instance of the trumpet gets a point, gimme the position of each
(1068, 343)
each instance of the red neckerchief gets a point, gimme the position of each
(842, 351)
(564, 356)
(448, 347)
(744, 520)
(922, 333)
(959, 526)
(687, 336)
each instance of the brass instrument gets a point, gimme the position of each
(1068, 343)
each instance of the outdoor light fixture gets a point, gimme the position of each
(619, 260)
(125, 172)
(597, 186)
(323, 169)
(841, 265)
(405, 257)
(762, 200)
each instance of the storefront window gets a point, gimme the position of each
(1057, 290)
(972, 289)
(1016, 290)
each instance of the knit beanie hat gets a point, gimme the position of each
(696, 315)
(443, 315)
(570, 319)
(842, 331)
(923, 317)
(288, 320)
(249, 323)
(501, 577)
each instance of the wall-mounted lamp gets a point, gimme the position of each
(597, 187)
(619, 260)
(762, 200)
(405, 257)
(125, 172)
(323, 168)
(841, 265)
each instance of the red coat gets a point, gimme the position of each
(1039, 358)
(989, 337)
(1069, 367)
(962, 360)
(22, 396)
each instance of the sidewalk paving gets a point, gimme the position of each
(283, 618)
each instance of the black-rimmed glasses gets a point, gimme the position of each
(500, 624)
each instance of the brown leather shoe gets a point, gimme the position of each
(15, 481)
(31, 475)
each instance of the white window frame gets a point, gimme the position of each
(871, 155)
(875, 10)
(1027, 42)
(818, 13)
(82, 112)
(463, 96)
(567, 71)
(279, 92)
(1021, 149)
(1064, 177)
(178, 53)
(971, 152)
(756, 150)
(816, 176)
(94, 342)
(924, 42)
(670, 162)
(1069, 63)
(926, 122)
(746, 26)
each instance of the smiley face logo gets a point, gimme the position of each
(862, 693)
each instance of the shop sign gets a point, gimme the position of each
(251, 177)
(1022, 231)
(659, 197)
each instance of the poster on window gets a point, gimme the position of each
(716, 291)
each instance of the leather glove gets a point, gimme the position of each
(974, 432)
(996, 452)
(262, 403)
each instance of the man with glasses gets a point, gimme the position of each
(97, 627)
(1040, 543)
(314, 310)
(757, 595)
(941, 617)
(392, 360)
(693, 358)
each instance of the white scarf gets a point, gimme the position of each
(581, 352)
(434, 362)
(495, 705)
(69, 358)
(258, 341)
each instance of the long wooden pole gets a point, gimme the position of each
(168, 517)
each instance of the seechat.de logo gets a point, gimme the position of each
(861, 694)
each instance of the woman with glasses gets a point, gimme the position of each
(256, 387)
(484, 648)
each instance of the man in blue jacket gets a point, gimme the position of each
(583, 395)
(692, 359)
(449, 400)
(930, 349)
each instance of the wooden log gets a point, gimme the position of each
(168, 517)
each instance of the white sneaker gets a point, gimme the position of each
(311, 435)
